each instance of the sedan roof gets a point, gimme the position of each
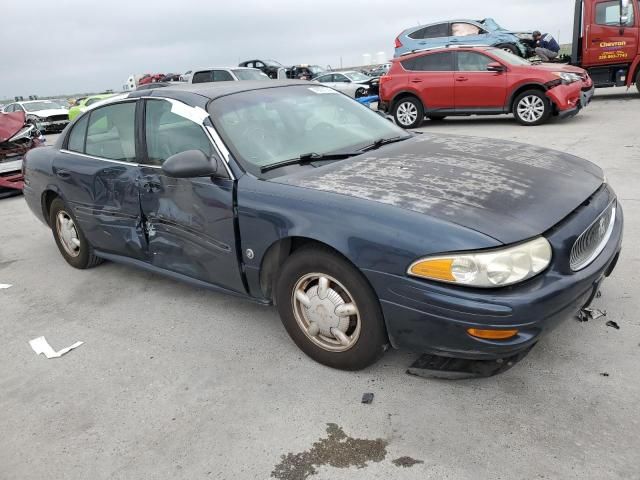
(200, 94)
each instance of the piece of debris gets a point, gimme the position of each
(337, 450)
(40, 345)
(367, 398)
(598, 294)
(5, 285)
(613, 324)
(604, 374)
(590, 313)
(406, 462)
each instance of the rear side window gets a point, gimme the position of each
(464, 29)
(432, 31)
(473, 62)
(222, 76)
(202, 77)
(76, 138)
(168, 133)
(608, 13)
(434, 62)
(111, 132)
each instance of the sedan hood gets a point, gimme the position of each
(558, 67)
(506, 190)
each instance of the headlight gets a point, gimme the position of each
(567, 77)
(489, 269)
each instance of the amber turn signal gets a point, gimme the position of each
(492, 334)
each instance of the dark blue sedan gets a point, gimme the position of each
(363, 235)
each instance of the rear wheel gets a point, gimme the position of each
(638, 80)
(408, 112)
(71, 242)
(532, 108)
(329, 310)
(507, 47)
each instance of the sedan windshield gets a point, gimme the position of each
(270, 126)
(357, 76)
(509, 57)
(248, 74)
(35, 106)
(272, 63)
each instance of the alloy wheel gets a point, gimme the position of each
(531, 108)
(407, 113)
(326, 312)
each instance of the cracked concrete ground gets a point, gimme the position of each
(174, 382)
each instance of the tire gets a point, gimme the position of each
(360, 92)
(436, 118)
(638, 80)
(531, 108)
(408, 112)
(508, 47)
(71, 242)
(364, 336)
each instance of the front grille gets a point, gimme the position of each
(593, 240)
(56, 118)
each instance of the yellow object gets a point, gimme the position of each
(437, 269)
(492, 334)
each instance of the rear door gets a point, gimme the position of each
(190, 222)
(607, 42)
(477, 88)
(96, 172)
(431, 77)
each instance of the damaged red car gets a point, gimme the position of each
(454, 81)
(16, 139)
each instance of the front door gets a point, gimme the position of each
(477, 88)
(606, 41)
(102, 192)
(189, 222)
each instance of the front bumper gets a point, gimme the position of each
(570, 99)
(427, 317)
(56, 126)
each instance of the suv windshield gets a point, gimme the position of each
(268, 126)
(248, 74)
(35, 106)
(509, 57)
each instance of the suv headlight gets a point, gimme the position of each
(567, 77)
(488, 269)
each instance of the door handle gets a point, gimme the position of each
(61, 173)
(462, 79)
(416, 80)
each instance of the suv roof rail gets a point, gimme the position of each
(448, 45)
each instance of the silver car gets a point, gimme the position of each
(352, 83)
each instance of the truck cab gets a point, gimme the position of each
(606, 41)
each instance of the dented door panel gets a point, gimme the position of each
(104, 199)
(190, 228)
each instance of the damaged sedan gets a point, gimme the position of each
(363, 235)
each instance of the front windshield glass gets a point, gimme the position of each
(509, 57)
(243, 74)
(357, 76)
(35, 106)
(268, 126)
(272, 63)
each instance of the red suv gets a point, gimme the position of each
(480, 81)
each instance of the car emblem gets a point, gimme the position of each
(602, 227)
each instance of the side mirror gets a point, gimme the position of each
(192, 164)
(495, 67)
(624, 12)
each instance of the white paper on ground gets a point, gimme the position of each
(40, 345)
(5, 285)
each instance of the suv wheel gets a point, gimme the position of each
(507, 47)
(532, 108)
(409, 112)
(329, 310)
(638, 80)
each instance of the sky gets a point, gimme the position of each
(73, 46)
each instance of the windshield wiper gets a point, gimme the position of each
(307, 158)
(384, 141)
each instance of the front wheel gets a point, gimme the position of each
(329, 310)
(508, 47)
(532, 108)
(409, 112)
(638, 80)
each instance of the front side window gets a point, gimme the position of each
(111, 132)
(168, 133)
(608, 13)
(473, 62)
(202, 77)
(222, 76)
(340, 78)
(464, 29)
(434, 62)
(249, 74)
